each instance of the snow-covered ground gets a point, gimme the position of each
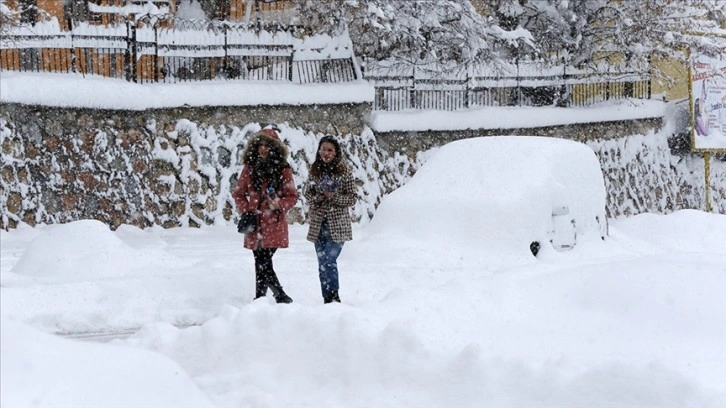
(636, 320)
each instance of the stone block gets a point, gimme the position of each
(7, 174)
(32, 152)
(198, 210)
(193, 187)
(52, 143)
(134, 136)
(8, 146)
(88, 141)
(14, 203)
(85, 121)
(210, 205)
(67, 176)
(29, 218)
(70, 201)
(170, 224)
(227, 211)
(178, 208)
(88, 180)
(139, 166)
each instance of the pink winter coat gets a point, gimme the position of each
(272, 230)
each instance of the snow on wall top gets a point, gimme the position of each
(106, 93)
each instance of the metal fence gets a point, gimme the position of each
(157, 53)
(146, 51)
(394, 93)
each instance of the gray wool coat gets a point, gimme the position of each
(336, 209)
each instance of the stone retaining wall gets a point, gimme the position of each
(173, 167)
(177, 167)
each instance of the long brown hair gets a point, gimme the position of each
(336, 166)
(271, 168)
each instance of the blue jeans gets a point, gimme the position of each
(328, 252)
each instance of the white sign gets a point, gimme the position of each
(708, 103)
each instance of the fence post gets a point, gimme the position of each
(134, 54)
(225, 63)
(73, 48)
(131, 50)
(156, 51)
(565, 98)
(650, 77)
(325, 71)
(290, 63)
(517, 91)
(412, 92)
(607, 85)
(355, 73)
(467, 102)
(127, 54)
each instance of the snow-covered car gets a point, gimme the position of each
(503, 195)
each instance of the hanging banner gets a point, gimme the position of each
(708, 104)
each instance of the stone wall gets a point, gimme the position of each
(177, 167)
(174, 167)
(39, 122)
(644, 174)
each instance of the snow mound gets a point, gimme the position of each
(493, 196)
(88, 249)
(41, 370)
(676, 231)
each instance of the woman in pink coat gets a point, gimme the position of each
(266, 186)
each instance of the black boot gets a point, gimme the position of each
(276, 288)
(266, 276)
(279, 294)
(283, 298)
(332, 298)
(260, 289)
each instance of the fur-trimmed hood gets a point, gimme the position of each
(269, 136)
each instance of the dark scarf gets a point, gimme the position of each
(266, 170)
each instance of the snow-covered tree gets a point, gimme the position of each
(581, 32)
(453, 33)
(443, 32)
(216, 9)
(674, 27)
(6, 18)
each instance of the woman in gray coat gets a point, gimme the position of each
(330, 192)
